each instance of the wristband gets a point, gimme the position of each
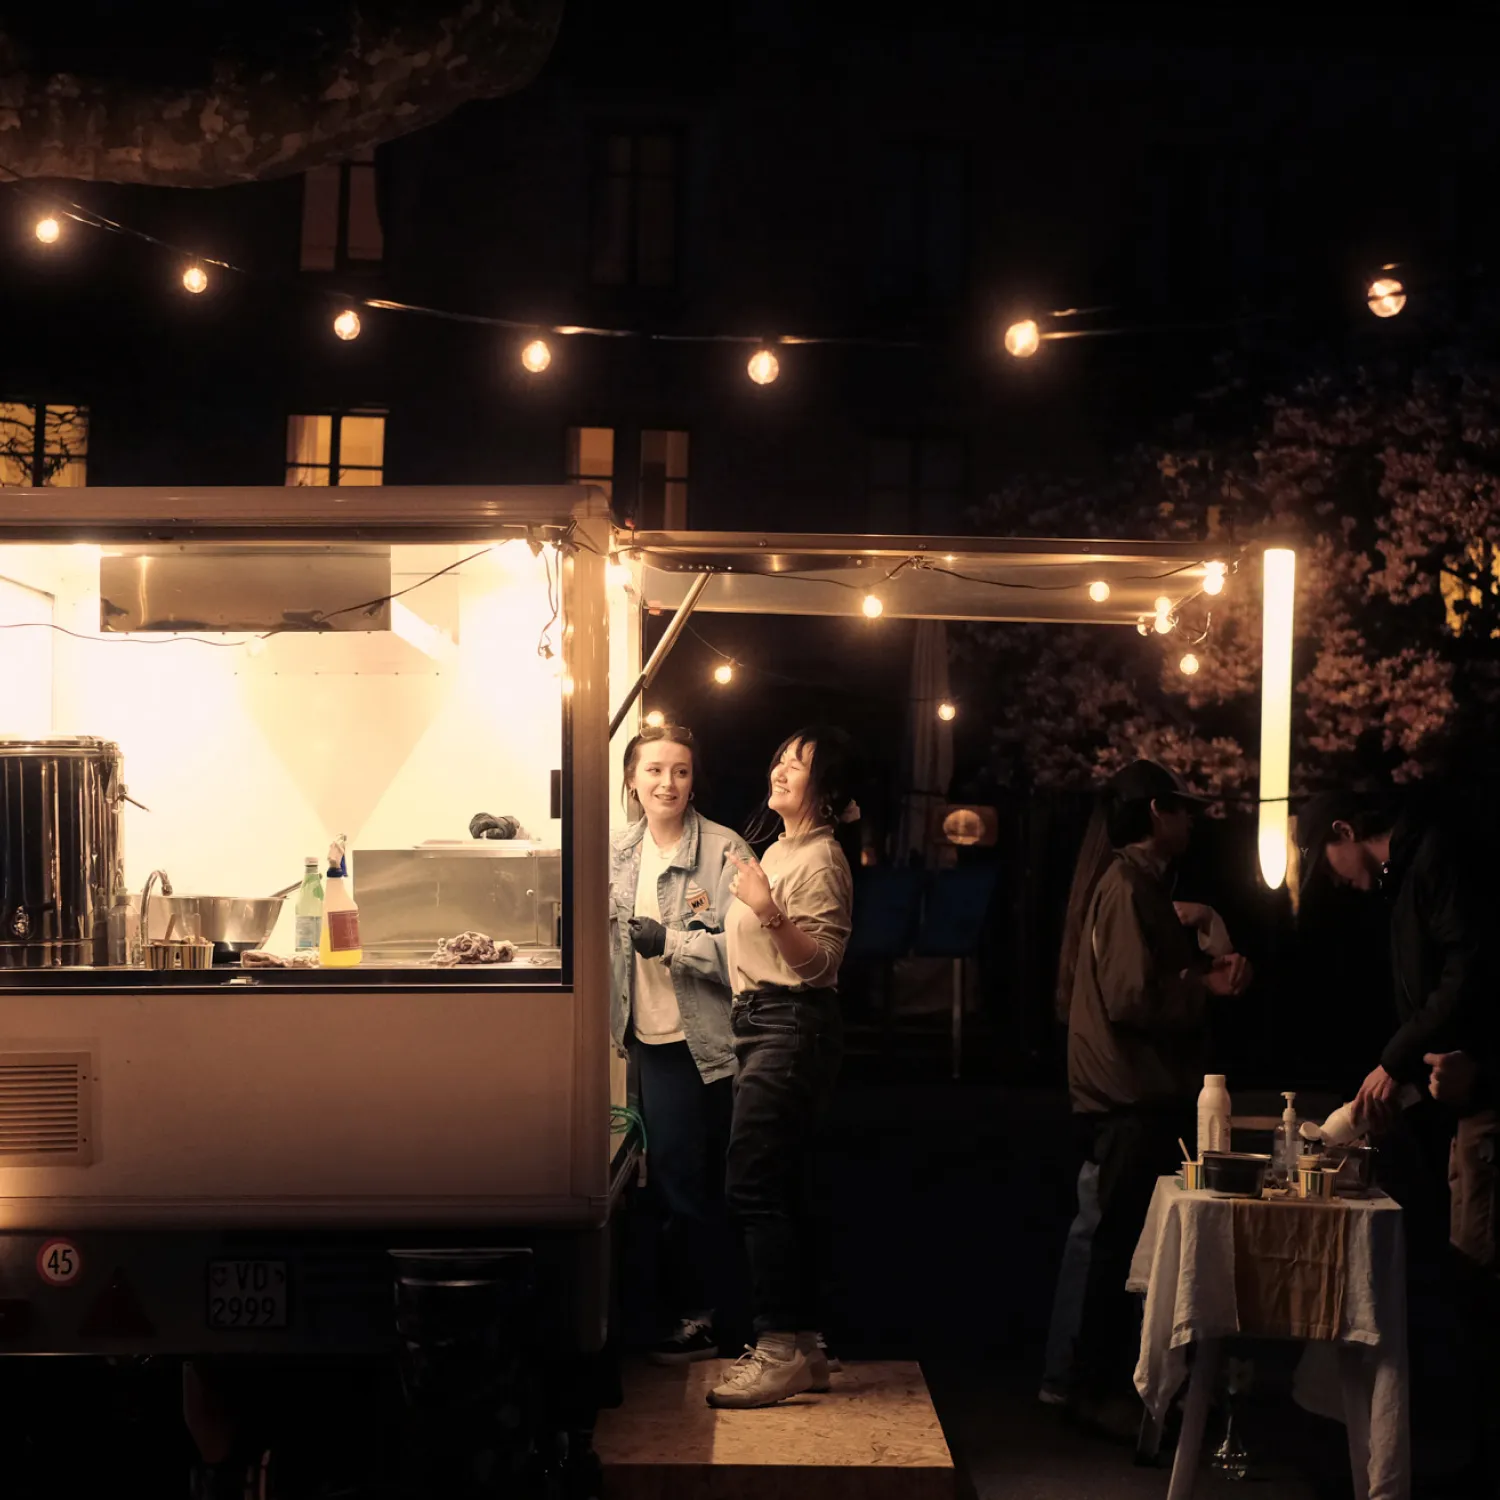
(775, 922)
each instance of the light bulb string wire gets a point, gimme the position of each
(94, 219)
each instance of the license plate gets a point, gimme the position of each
(247, 1294)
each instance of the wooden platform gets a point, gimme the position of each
(875, 1437)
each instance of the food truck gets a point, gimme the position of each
(211, 1142)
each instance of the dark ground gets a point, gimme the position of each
(949, 1202)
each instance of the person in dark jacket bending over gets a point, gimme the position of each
(1136, 1034)
(1444, 972)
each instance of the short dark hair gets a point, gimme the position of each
(1368, 813)
(653, 734)
(830, 780)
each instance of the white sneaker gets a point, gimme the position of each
(759, 1378)
(820, 1365)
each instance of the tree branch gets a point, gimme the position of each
(384, 77)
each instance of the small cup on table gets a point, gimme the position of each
(1192, 1176)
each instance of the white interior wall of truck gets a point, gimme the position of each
(251, 754)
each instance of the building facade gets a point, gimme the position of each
(760, 173)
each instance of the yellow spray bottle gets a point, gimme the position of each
(338, 943)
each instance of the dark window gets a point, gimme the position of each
(341, 217)
(336, 448)
(917, 485)
(635, 210)
(664, 481)
(43, 445)
(919, 242)
(591, 457)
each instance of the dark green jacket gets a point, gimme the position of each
(1136, 1025)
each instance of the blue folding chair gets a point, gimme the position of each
(955, 906)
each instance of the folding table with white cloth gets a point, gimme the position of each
(1332, 1274)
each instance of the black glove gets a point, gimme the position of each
(487, 826)
(648, 937)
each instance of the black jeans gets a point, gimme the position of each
(687, 1140)
(1132, 1148)
(789, 1047)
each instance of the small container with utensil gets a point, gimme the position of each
(1190, 1173)
(1315, 1182)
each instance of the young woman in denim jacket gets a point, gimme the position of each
(670, 875)
(786, 931)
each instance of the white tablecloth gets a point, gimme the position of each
(1184, 1263)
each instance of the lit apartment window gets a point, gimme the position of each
(340, 216)
(43, 445)
(635, 210)
(349, 445)
(919, 241)
(591, 457)
(916, 485)
(664, 481)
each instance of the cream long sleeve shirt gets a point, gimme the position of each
(813, 887)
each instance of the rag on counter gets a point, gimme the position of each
(473, 948)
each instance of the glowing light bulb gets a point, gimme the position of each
(536, 356)
(1386, 297)
(1163, 609)
(1099, 592)
(872, 607)
(723, 673)
(346, 325)
(616, 574)
(1189, 664)
(947, 712)
(1143, 626)
(655, 719)
(1023, 339)
(195, 279)
(255, 646)
(764, 367)
(1214, 575)
(48, 230)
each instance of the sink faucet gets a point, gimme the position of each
(144, 935)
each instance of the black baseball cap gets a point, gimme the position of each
(1145, 780)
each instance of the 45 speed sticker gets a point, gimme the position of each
(58, 1262)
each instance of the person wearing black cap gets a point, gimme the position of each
(1136, 1034)
(1444, 972)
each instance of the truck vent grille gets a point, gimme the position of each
(46, 1109)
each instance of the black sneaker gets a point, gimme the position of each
(693, 1340)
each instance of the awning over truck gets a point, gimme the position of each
(931, 578)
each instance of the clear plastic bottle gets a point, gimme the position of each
(1288, 1145)
(338, 944)
(309, 907)
(1214, 1110)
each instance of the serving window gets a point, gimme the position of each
(271, 697)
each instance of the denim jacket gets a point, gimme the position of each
(693, 895)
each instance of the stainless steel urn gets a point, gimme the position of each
(62, 857)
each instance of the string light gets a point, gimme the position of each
(1189, 665)
(536, 356)
(655, 719)
(195, 279)
(1163, 609)
(872, 607)
(616, 574)
(947, 712)
(1213, 578)
(1386, 296)
(1143, 626)
(48, 230)
(1023, 339)
(724, 674)
(346, 325)
(1099, 592)
(764, 367)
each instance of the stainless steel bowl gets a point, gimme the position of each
(1237, 1174)
(233, 924)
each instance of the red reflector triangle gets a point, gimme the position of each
(116, 1313)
